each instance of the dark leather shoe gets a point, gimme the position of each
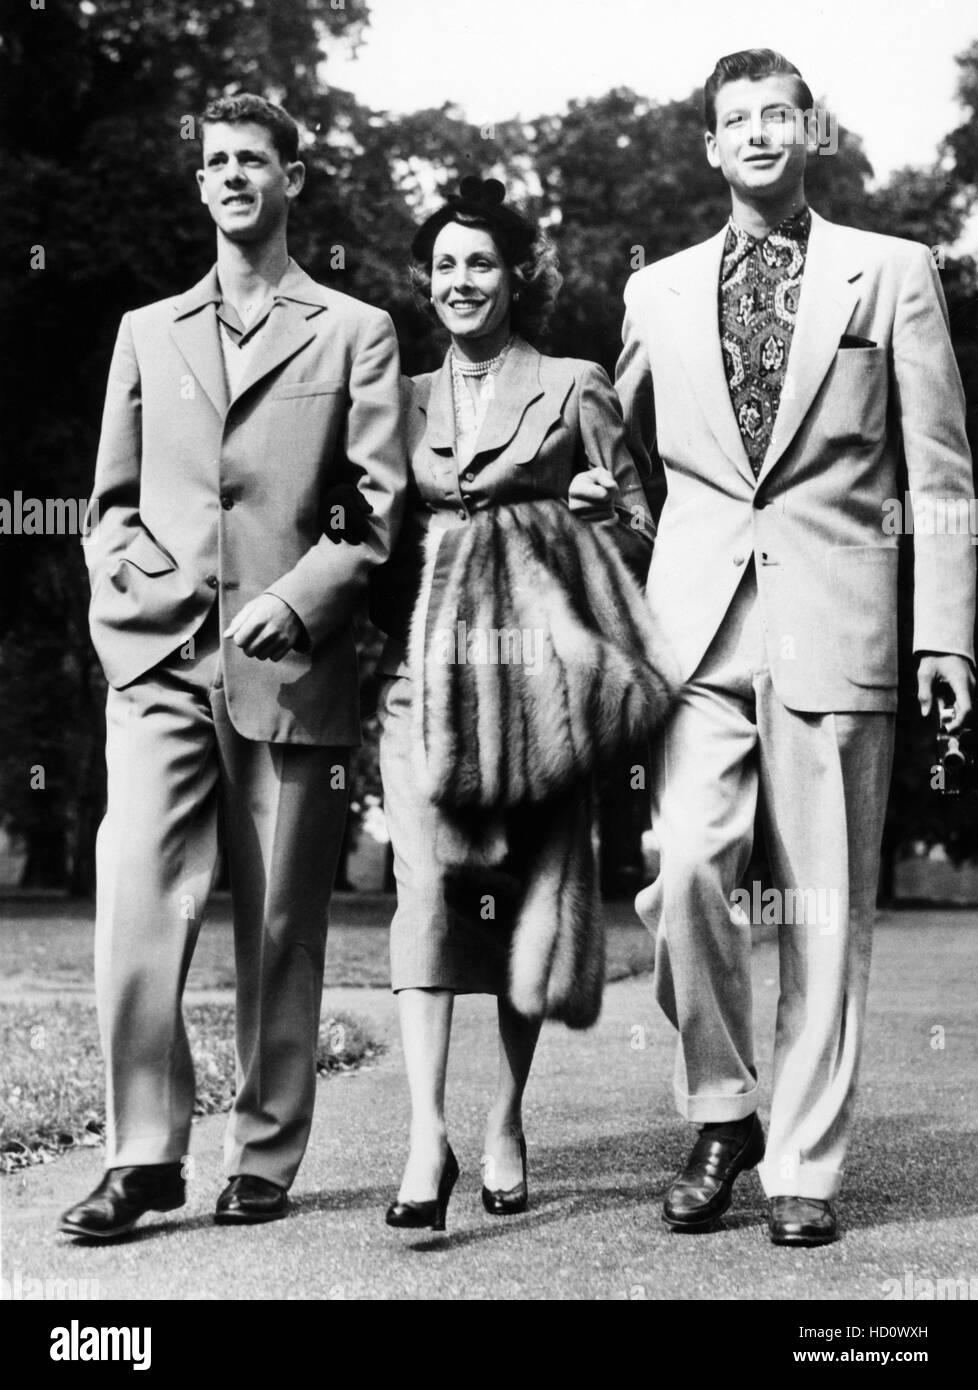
(122, 1197)
(701, 1193)
(247, 1200)
(802, 1221)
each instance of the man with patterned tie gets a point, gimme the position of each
(772, 377)
(250, 473)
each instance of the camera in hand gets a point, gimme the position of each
(954, 770)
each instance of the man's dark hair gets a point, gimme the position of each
(246, 107)
(752, 64)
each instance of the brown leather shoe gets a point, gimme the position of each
(122, 1197)
(247, 1200)
(802, 1221)
(701, 1193)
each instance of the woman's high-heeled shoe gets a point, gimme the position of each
(514, 1199)
(427, 1215)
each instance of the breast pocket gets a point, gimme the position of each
(855, 396)
(295, 389)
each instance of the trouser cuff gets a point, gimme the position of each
(781, 1177)
(146, 1151)
(708, 1109)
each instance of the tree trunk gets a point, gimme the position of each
(46, 863)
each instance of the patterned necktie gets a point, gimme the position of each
(760, 284)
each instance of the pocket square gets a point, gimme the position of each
(849, 340)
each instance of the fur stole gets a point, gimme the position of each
(534, 661)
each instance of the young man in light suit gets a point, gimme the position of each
(771, 377)
(240, 420)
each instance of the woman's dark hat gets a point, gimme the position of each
(481, 199)
(488, 192)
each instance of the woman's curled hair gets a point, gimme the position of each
(527, 252)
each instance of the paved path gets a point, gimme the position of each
(603, 1144)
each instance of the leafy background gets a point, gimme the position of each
(95, 99)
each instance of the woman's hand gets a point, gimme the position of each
(592, 494)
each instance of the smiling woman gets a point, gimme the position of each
(501, 438)
(508, 261)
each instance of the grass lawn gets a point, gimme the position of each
(51, 1086)
(50, 941)
(52, 1091)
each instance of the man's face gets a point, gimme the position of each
(762, 139)
(244, 182)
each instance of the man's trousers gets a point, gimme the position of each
(173, 756)
(822, 782)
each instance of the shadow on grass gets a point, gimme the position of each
(905, 1168)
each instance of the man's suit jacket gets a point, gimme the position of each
(550, 418)
(814, 519)
(198, 496)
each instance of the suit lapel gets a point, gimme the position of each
(517, 387)
(829, 291)
(696, 285)
(287, 332)
(195, 333)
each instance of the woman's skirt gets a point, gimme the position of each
(448, 932)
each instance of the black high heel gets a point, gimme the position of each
(514, 1199)
(425, 1215)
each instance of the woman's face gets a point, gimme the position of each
(470, 284)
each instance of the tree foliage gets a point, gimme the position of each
(97, 158)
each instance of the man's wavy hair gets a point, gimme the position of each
(255, 110)
(528, 254)
(752, 64)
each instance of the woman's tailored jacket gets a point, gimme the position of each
(550, 419)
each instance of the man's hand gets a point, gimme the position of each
(592, 494)
(954, 671)
(266, 628)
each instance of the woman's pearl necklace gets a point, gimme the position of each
(476, 369)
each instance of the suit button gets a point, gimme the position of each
(739, 559)
(763, 554)
(463, 514)
(469, 477)
(227, 501)
(211, 581)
